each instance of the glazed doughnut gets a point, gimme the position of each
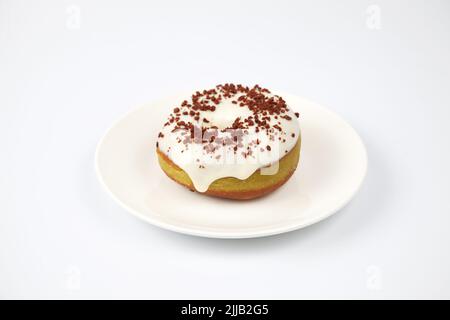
(231, 142)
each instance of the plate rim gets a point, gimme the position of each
(192, 231)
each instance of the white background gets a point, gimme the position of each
(64, 78)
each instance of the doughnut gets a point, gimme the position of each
(232, 141)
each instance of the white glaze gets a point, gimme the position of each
(204, 167)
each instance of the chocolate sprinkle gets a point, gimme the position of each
(263, 106)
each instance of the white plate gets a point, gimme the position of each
(333, 164)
